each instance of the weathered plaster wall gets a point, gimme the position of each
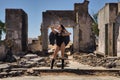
(103, 18)
(87, 38)
(117, 32)
(106, 20)
(17, 29)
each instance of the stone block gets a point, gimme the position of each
(117, 63)
(4, 66)
(39, 59)
(31, 56)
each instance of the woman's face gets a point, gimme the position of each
(59, 28)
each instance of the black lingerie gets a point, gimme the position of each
(58, 38)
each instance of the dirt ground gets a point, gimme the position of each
(62, 77)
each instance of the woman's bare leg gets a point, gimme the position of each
(54, 56)
(62, 49)
(62, 52)
(56, 51)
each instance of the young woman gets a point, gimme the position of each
(60, 34)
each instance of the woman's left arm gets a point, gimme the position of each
(66, 33)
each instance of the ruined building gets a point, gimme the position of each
(78, 19)
(109, 35)
(17, 29)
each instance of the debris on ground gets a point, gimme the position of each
(93, 60)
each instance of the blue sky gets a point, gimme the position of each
(34, 9)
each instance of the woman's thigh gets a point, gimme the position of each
(62, 46)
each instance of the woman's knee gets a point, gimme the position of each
(57, 48)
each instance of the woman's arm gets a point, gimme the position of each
(53, 30)
(66, 33)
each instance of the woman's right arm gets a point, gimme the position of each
(53, 30)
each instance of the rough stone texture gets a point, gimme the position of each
(28, 61)
(2, 52)
(4, 66)
(79, 19)
(93, 60)
(103, 18)
(30, 56)
(117, 32)
(108, 23)
(86, 36)
(44, 35)
(33, 65)
(17, 29)
(118, 6)
(34, 46)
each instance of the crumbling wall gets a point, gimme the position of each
(117, 32)
(51, 18)
(2, 52)
(17, 29)
(103, 18)
(86, 36)
(118, 6)
(83, 37)
(107, 44)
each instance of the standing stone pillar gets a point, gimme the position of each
(117, 35)
(76, 35)
(44, 35)
(17, 29)
(111, 40)
(76, 38)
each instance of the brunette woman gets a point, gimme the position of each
(60, 35)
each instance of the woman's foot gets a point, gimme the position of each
(52, 63)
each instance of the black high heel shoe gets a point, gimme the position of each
(52, 63)
(62, 67)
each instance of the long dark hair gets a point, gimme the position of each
(63, 28)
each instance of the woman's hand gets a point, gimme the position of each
(69, 33)
(66, 34)
(52, 28)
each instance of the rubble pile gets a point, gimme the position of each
(7, 71)
(24, 65)
(31, 60)
(93, 60)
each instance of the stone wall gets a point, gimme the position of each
(86, 36)
(2, 52)
(34, 46)
(117, 32)
(103, 18)
(118, 6)
(83, 37)
(17, 29)
(65, 17)
(109, 30)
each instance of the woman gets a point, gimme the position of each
(60, 34)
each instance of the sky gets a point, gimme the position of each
(34, 9)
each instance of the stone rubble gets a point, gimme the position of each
(24, 65)
(93, 60)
